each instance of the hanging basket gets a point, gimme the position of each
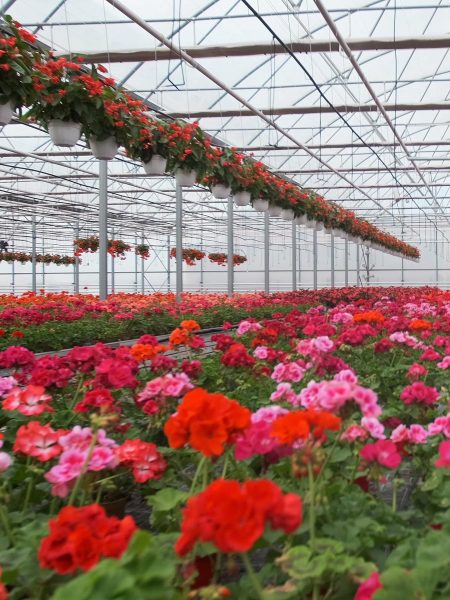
(156, 165)
(274, 210)
(242, 198)
(6, 113)
(104, 149)
(220, 191)
(185, 178)
(261, 205)
(287, 214)
(64, 133)
(311, 224)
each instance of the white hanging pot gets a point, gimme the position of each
(156, 165)
(242, 198)
(301, 220)
(310, 223)
(104, 149)
(274, 210)
(6, 112)
(220, 191)
(261, 205)
(64, 133)
(328, 231)
(185, 178)
(318, 226)
(287, 214)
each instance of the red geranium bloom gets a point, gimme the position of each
(367, 589)
(299, 424)
(80, 537)
(444, 455)
(233, 516)
(30, 401)
(207, 422)
(39, 441)
(143, 458)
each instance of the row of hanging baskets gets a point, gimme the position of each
(192, 255)
(69, 100)
(46, 259)
(116, 248)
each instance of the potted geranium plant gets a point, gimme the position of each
(189, 153)
(117, 248)
(150, 146)
(18, 55)
(220, 258)
(249, 181)
(189, 255)
(142, 250)
(89, 244)
(221, 174)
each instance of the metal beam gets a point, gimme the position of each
(294, 256)
(308, 110)
(179, 242)
(230, 248)
(305, 46)
(103, 229)
(266, 253)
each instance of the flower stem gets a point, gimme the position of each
(197, 474)
(252, 576)
(394, 495)
(312, 522)
(84, 468)
(6, 525)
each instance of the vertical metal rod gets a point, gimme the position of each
(201, 249)
(230, 248)
(315, 259)
(135, 266)
(294, 256)
(437, 256)
(179, 242)
(103, 230)
(346, 262)
(299, 264)
(332, 273)
(368, 266)
(113, 268)
(33, 254)
(43, 265)
(357, 263)
(168, 263)
(13, 268)
(76, 264)
(266, 253)
(142, 269)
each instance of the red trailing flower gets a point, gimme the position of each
(384, 452)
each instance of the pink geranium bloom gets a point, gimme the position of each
(30, 401)
(368, 588)
(384, 452)
(444, 455)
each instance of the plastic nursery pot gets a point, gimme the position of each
(287, 214)
(64, 133)
(220, 191)
(261, 205)
(6, 113)
(156, 165)
(242, 198)
(185, 178)
(311, 224)
(301, 220)
(274, 210)
(104, 149)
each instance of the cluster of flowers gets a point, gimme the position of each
(60, 89)
(190, 255)
(116, 248)
(46, 259)
(222, 259)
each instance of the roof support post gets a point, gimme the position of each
(103, 229)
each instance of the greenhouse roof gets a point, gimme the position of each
(348, 99)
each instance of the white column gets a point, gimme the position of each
(230, 248)
(179, 242)
(103, 230)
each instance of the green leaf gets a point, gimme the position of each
(167, 499)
